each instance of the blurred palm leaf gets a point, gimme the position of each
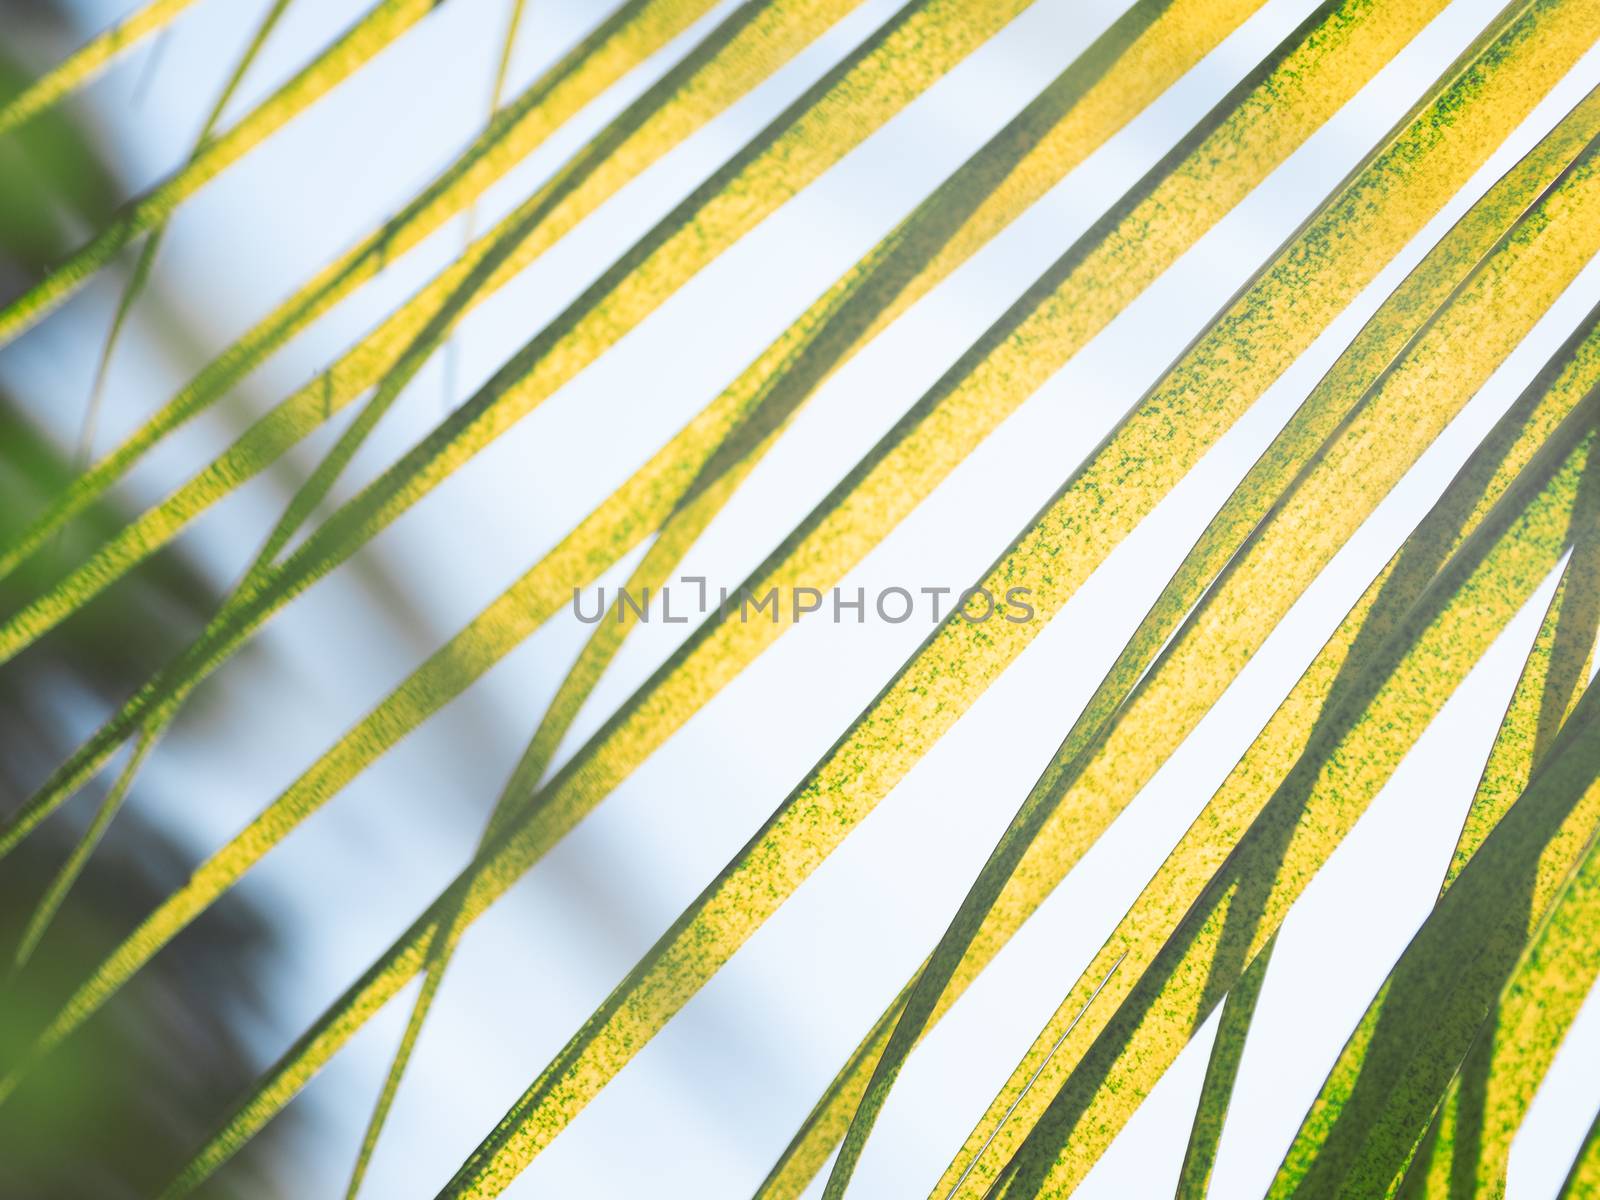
(122, 1106)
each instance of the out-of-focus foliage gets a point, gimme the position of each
(55, 188)
(117, 1112)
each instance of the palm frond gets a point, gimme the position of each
(361, 42)
(931, 691)
(1145, 707)
(88, 61)
(1044, 142)
(1326, 752)
(1467, 1146)
(817, 130)
(140, 275)
(1222, 1071)
(1444, 986)
(1426, 1095)
(629, 36)
(1552, 679)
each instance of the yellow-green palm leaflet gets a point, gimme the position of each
(1406, 376)
(1051, 848)
(1584, 1177)
(356, 46)
(635, 31)
(1416, 1034)
(140, 274)
(1079, 110)
(1222, 1069)
(1143, 51)
(1552, 679)
(1468, 1141)
(62, 884)
(1324, 754)
(88, 61)
(836, 114)
(381, 981)
(1444, 988)
(1467, 1145)
(1466, 1149)
(961, 658)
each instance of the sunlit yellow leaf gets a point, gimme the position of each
(353, 49)
(635, 31)
(88, 61)
(1321, 759)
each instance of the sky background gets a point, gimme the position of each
(707, 1107)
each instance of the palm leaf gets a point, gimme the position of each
(362, 41)
(927, 695)
(73, 867)
(1464, 1150)
(1050, 834)
(1468, 1141)
(1222, 1070)
(1585, 1173)
(88, 61)
(1320, 760)
(635, 31)
(1522, 859)
(1554, 676)
(1044, 142)
(142, 267)
(799, 145)
(1532, 421)
(1381, 405)
(922, 243)
(1443, 987)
